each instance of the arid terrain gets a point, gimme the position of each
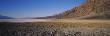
(91, 18)
(56, 27)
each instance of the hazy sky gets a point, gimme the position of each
(35, 8)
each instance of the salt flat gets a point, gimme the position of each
(24, 20)
(52, 20)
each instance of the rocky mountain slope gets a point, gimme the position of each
(91, 9)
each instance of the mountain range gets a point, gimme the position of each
(5, 17)
(91, 9)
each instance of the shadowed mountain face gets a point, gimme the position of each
(91, 9)
(5, 17)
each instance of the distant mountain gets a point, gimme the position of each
(5, 17)
(91, 9)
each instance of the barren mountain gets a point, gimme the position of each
(5, 17)
(91, 9)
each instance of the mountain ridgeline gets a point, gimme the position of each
(91, 9)
(5, 17)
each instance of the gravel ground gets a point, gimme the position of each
(54, 29)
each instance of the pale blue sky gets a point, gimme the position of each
(36, 8)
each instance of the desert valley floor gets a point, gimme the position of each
(54, 27)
